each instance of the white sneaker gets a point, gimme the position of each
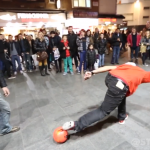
(15, 73)
(72, 73)
(123, 121)
(21, 71)
(30, 71)
(64, 73)
(12, 77)
(145, 64)
(79, 72)
(68, 125)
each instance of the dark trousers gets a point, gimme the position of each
(136, 49)
(144, 56)
(90, 67)
(115, 56)
(115, 97)
(75, 60)
(58, 64)
(82, 59)
(7, 65)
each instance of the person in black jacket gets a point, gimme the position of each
(5, 127)
(40, 46)
(101, 47)
(54, 43)
(25, 50)
(117, 42)
(14, 52)
(96, 36)
(3, 51)
(90, 57)
(72, 37)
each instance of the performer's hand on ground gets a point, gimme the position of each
(87, 75)
(6, 91)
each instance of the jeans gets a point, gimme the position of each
(115, 97)
(68, 61)
(82, 59)
(101, 60)
(136, 49)
(116, 52)
(5, 127)
(15, 58)
(27, 60)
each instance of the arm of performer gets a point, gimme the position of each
(99, 70)
(3, 85)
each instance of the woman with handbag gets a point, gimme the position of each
(40, 47)
(145, 45)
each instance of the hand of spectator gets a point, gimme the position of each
(6, 91)
(64, 48)
(68, 47)
(87, 75)
(118, 39)
(54, 49)
(5, 50)
(27, 53)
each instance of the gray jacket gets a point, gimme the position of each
(80, 43)
(144, 41)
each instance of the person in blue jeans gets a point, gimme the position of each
(82, 43)
(117, 42)
(14, 52)
(65, 54)
(5, 127)
(101, 47)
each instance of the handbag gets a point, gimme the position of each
(41, 56)
(143, 48)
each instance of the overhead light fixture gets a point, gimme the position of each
(58, 4)
(137, 3)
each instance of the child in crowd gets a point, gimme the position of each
(65, 53)
(91, 57)
(101, 47)
(56, 58)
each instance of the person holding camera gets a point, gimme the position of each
(65, 54)
(117, 42)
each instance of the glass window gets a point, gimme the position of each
(81, 3)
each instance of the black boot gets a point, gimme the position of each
(46, 73)
(41, 70)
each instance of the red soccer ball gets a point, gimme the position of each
(60, 135)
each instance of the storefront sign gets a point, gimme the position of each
(8, 17)
(84, 14)
(107, 19)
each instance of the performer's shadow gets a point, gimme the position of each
(95, 127)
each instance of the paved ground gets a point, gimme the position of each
(40, 104)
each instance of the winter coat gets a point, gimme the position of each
(62, 51)
(3, 46)
(95, 38)
(26, 45)
(39, 46)
(114, 39)
(91, 57)
(101, 46)
(72, 38)
(129, 39)
(54, 42)
(144, 41)
(80, 43)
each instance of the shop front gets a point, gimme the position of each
(91, 20)
(30, 23)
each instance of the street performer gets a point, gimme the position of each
(122, 81)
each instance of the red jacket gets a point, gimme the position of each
(129, 39)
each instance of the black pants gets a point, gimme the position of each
(115, 97)
(7, 65)
(90, 67)
(144, 57)
(58, 64)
